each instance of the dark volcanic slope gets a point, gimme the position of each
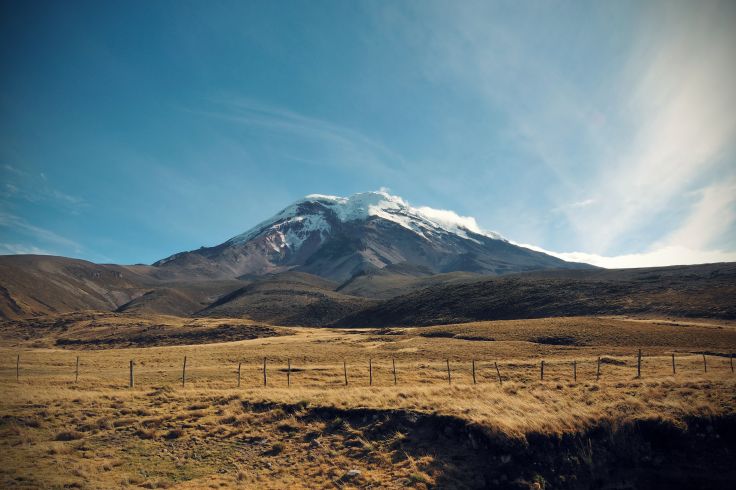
(684, 291)
(395, 280)
(180, 299)
(290, 298)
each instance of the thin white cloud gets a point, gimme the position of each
(68, 198)
(342, 146)
(710, 217)
(450, 219)
(8, 190)
(671, 255)
(20, 225)
(12, 169)
(691, 243)
(575, 205)
(35, 187)
(582, 204)
(21, 249)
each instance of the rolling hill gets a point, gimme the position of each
(705, 291)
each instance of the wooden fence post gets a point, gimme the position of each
(575, 371)
(393, 362)
(184, 372)
(473, 371)
(239, 375)
(598, 370)
(264, 372)
(673, 364)
(131, 373)
(76, 372)
(370, 372)
(449, 377)
(638, 365)
(288, 372)
(345, 371)
(498, 373)
(541, 371)
(705, 364)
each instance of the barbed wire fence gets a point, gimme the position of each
(251, 371)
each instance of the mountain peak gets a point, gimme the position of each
(312, 210)
(340, 237)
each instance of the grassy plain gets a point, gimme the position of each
(312, 430)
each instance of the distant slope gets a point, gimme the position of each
(290, 298)
(103, 330)
(179, 299)
(33, 285)
(395, 280)
(683, 291)
(37, 284)
(398, 294)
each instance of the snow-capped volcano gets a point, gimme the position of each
(339, 237)
(293, 225)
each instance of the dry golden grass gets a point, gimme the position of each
(100, 330)
(98, 433)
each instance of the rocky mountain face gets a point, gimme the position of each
(339, 238)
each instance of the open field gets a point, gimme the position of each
(104, 330)
(419, 430)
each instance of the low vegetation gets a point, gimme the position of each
(704, 291)
(104, 330)
(307, 428)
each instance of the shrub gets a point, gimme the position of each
(174, 434)
(69, 435)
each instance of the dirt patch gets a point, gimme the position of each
(160, 335)
(442, 334)
(612, 361)
(557, 340)
(479, 338)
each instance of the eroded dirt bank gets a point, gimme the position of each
(648, 454)
(163, 439)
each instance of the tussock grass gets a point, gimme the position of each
(98, 433)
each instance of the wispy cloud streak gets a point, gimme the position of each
(20, 225)
(629, 144)
(344, 147)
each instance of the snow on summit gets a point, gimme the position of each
(339, 238)
(291, 226)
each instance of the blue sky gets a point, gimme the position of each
(602, 131)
